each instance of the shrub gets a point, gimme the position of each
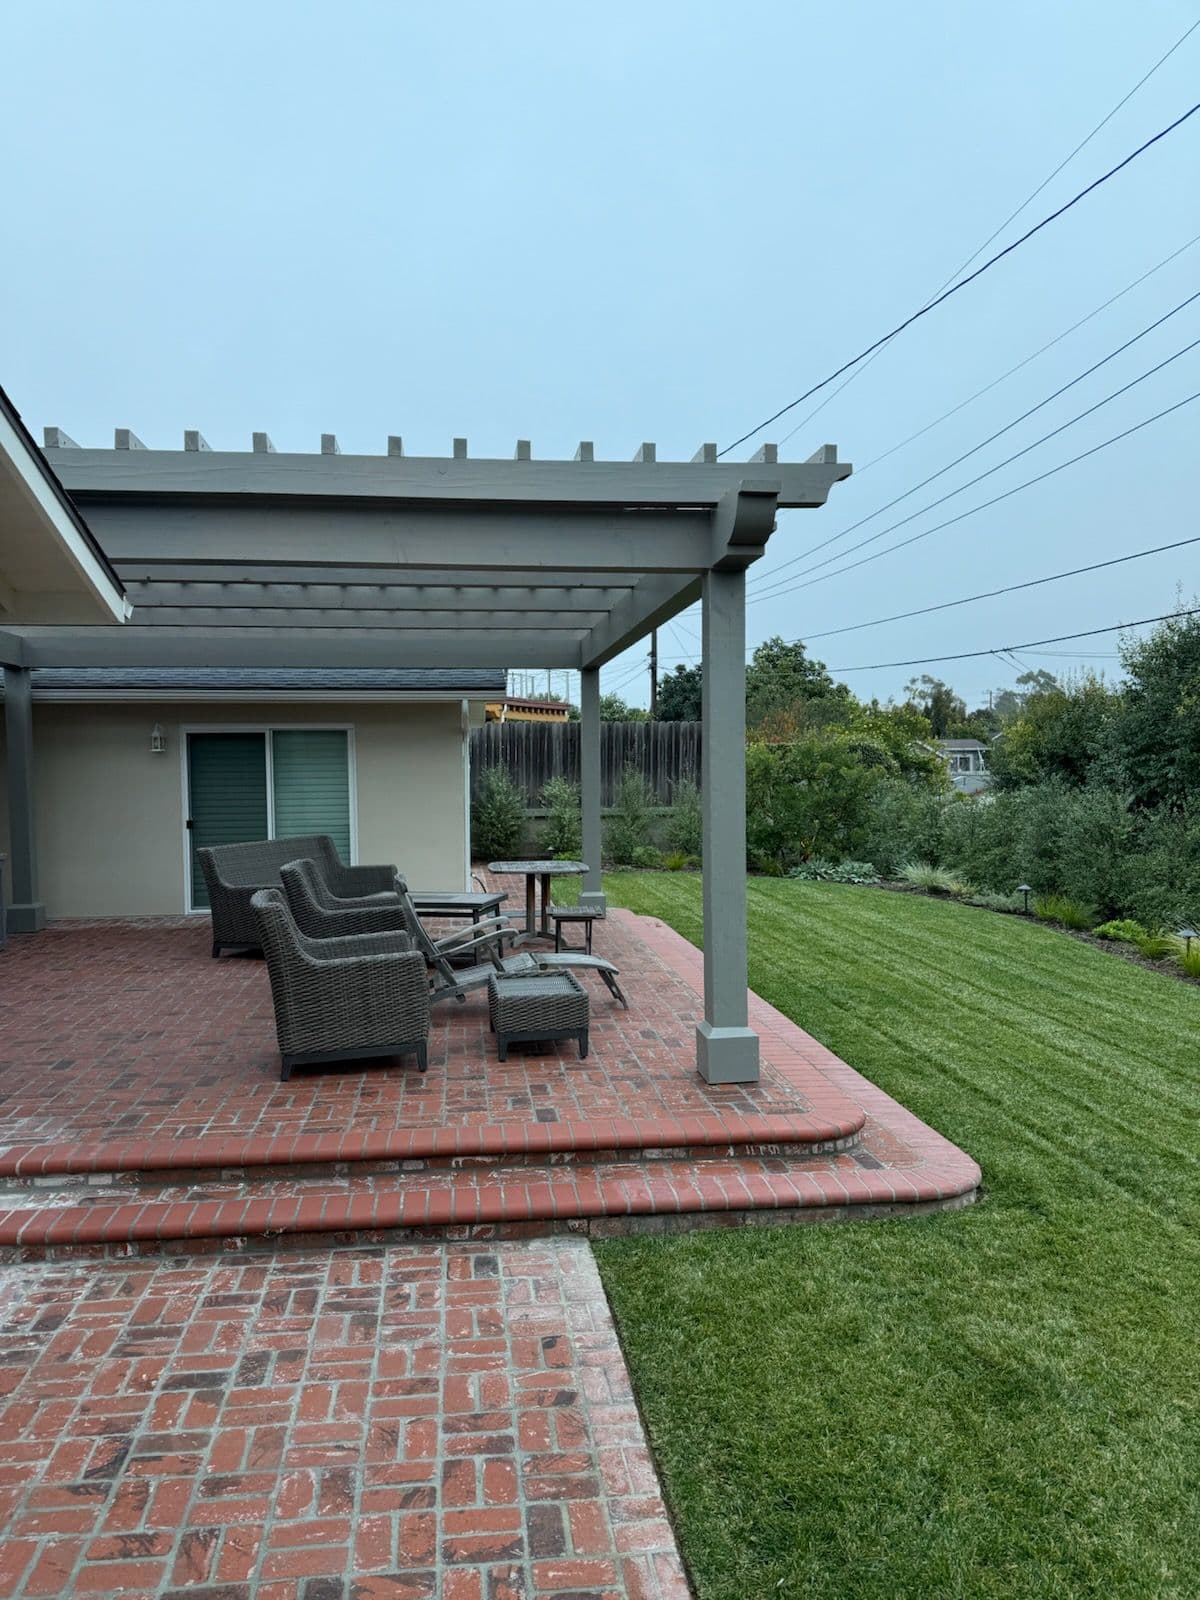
(645, 855)
(1067, 913)
(677, 860)
(934, 880)
(1189, 961)
(1155, 946)
(685, 827)
(818, 871)
(563, 833)
(1124, 930)
(498, 817)
(629, 825)
(989, 900)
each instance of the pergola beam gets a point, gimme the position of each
(165, 594)
(652, 603)
(508, 622)
(472, 540)
(156, 571)
(296, 647)
(265, 471)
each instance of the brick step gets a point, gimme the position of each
(493, 1202)
(217, 1158)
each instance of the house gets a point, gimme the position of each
(967, 762)
(134, 768)
(514, 709)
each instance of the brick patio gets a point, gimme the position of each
(141, 1109)
(449, 1422)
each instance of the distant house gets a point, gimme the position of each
(512, 709)
(967, 761)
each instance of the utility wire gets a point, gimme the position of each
(963, 282)
(1058, 338)
(1060, 638)
(772, 581)
(1010, 588)
(1012, 217)
(1071, 421)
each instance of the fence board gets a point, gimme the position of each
(665, 753)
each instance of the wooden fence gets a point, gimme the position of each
(534, 752)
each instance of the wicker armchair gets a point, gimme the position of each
(341, 999)
(233, 872)
(322, 915)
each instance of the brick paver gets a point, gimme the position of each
(449, 1421)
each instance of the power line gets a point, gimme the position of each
(982, 445)
(963, 282)
(1061, 638)
(937, 527)
(1011, 588)
(1058, 338)
(1012, 217)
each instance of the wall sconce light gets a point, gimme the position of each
(158, 740)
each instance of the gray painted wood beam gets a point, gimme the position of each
(742, 524)
(524, 450)
(166, 617)
(460, 449)
(592, 893)
(26, 914)
(467, 601)
(262, 445)
(586, 451)
(395, 445)
(12, 649)
(263, 472)
(155, 571)
(726, 1047)
(654, 602)
(476, 540)
(294, 647)
(706, 453)
(646, 453)
(56, 439)
(193, 439)
(126, 439)
(329, 445)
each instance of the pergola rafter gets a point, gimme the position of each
(272, 559)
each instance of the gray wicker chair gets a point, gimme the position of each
(341, 999)
(322, 915)
(233, 872)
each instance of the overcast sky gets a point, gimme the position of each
(637, 221)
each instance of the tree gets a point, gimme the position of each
(782, 678)
(937, 702)
(1154, 740)
(614, 709)
(679, 695)
(1057, 735)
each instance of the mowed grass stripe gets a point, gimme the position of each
(1000, 1402)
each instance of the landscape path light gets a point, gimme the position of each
(1026, 889)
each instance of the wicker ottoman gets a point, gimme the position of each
(552, 1005)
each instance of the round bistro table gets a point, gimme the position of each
(532, 871)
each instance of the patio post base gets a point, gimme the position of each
(27, 918)
(726, 1055)
(594, 900)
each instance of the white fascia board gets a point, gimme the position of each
(71, 541)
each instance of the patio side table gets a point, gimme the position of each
(553, 1005)
(533, 871)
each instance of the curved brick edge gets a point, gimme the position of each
(679, 1189)
(837, 1121)
(794, 1055)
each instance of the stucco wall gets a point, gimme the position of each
(110, 814)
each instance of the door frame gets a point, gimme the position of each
(186, 729)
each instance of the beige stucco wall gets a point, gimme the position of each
(110, 815)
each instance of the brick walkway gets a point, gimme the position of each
(406, 1423)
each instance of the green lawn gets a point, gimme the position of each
(1000, 1401)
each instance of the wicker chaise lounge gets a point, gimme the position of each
(233, 872)
(341, 999)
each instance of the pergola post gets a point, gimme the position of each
(589, 787)
(726, 1047)
(25, 914)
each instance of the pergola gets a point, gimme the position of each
(267, 559)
